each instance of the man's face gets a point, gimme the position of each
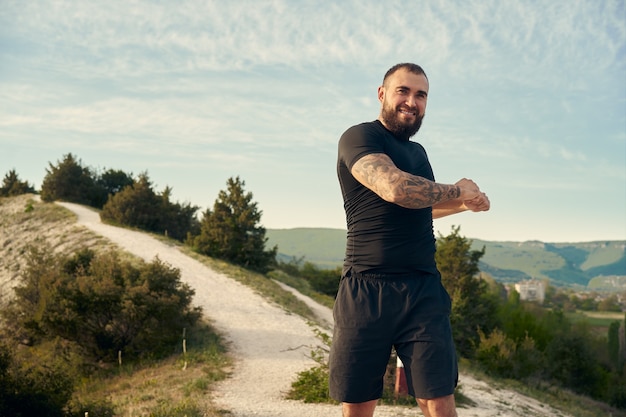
(403, 102)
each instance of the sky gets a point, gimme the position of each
(527, 98)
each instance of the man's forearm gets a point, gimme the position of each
(417, 192)
(378, 173)
(448, 208)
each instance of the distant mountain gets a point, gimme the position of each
(602, 263)
(322, 247)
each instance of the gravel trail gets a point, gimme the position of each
(271, 346)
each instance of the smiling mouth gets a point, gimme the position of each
(407, 112)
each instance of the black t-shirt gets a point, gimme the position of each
(383, 237)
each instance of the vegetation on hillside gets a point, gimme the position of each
(232, 230)
(69, 180)
(508, 338)
(93, 306)
(72, 314)
(138, 205)
(12, 185)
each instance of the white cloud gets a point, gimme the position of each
(531, 90)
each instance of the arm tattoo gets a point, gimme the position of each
(378, 173)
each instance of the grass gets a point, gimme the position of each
(177, 386)
(303, 286)
(598, 321)
(258, 282)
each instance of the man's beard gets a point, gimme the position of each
(402, 130)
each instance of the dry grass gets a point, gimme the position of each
(165, 387)
(24, 221)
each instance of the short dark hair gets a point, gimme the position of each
(414, 68)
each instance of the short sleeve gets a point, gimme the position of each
(358, 141)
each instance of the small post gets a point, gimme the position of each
(184, 349)
(401, 388)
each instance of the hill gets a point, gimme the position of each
(254, 327)
(598, 265)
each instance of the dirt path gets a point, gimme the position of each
(263, 338)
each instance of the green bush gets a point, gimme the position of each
(68, 180)
(138, 205)
(102, 304)
(32, 388)
(501, 356)
(12, 185)
(311, 385)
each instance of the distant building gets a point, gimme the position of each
(531, 290)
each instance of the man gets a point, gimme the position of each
(390, 293)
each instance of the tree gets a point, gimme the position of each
(610, 303)
(109, 183)
(613, 344)
(135, 206)
(177, 220)
(138, 205)
(231, 231)
(12, 185)
(68, 181)
(572, 361)
(473, 307)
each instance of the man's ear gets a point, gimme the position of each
(381, 93)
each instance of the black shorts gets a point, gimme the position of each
(373, 314)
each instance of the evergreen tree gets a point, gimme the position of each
(140, 206)
(135, 206)
(12, 185)
(613, 344)
(231, 231)
(109, 183)
(68, 181)
(473, 306)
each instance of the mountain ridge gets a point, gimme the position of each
(572, 264)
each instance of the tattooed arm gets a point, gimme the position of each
(378, 173)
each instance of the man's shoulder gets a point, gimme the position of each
(374, 125)
(364, 130)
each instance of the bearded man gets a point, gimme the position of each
(390, 294)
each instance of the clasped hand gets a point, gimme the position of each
(478, 203)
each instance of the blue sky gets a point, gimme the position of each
(528, 98)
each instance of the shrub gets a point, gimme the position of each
(503, 357)
(69, 180)
(311, 385)
(12, 185)
(140, 206)
(32, 388)
(102, 304)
